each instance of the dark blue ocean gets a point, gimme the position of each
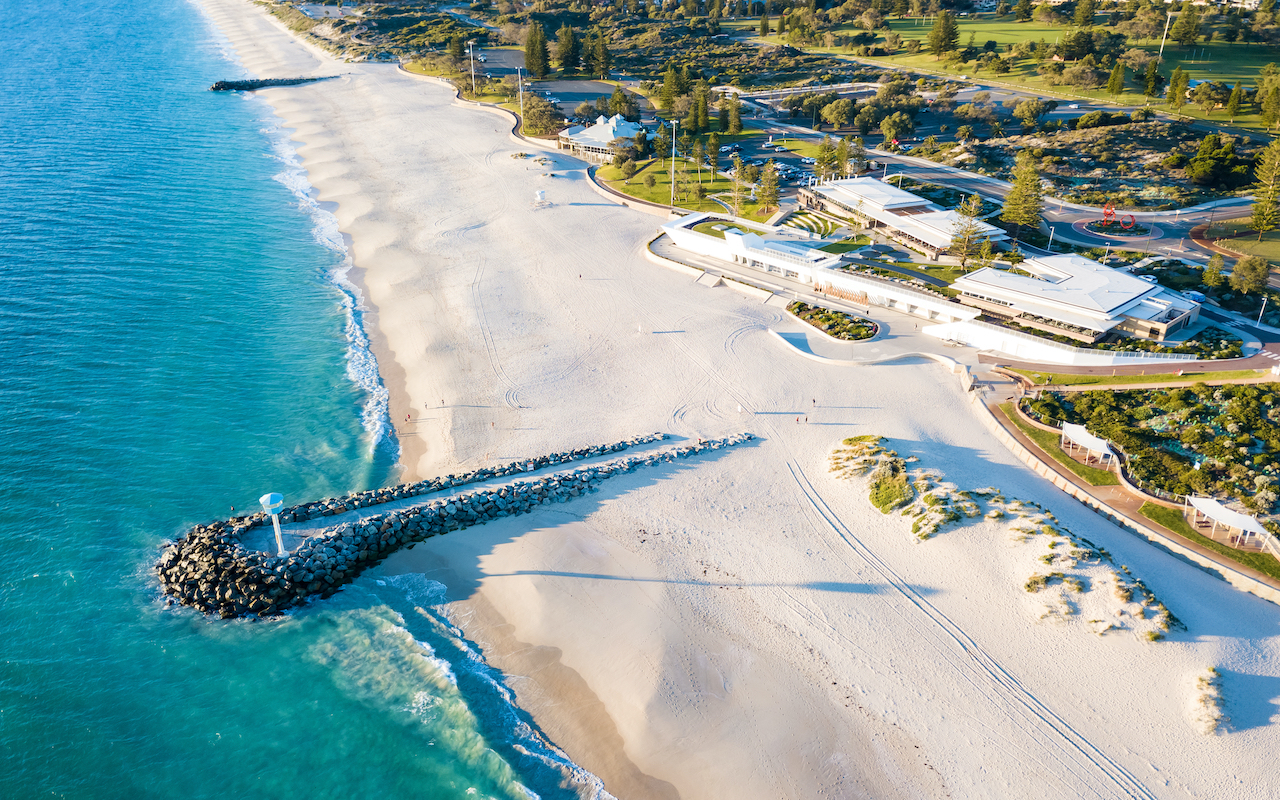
(177, 337)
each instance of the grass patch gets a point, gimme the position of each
(891, 491)
(834, 323)
(1173, 519)
(660, 192)
(717, 228)
(1066, 379)
(846, 245)
(1244, 240)
(1048, 442)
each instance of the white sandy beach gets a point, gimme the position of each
(743, 625)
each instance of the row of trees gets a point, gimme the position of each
(589, 54)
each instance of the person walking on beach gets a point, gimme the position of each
(406, 417)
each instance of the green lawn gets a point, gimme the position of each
(845, 245)
(1048, 442)
(1173, 519)
(661, 191)
(1222, 61)
(716, 228)
(1247, 243)
(1066, 379)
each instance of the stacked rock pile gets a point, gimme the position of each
(373, 497)
(208, 568)
(262, 83)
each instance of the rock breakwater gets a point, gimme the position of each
(262, 83)
(210, 570)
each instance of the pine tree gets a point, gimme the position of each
(767, 193)
(735, 114)
(722, 116)
(1085, 9)
(1023, 203)
(1233, 102)
(1178, 83)
(603, 58)
(736, 192)
(826, 161)
(842, 157)
(690, 123)
(1186, 31)
(764, 25)
(1115, 84)
(944, 36)
(670, 82)
(967, 232)
(1271, 107)
(457, 49)
(1022, 11)
(536, 59)
(1266, 191)
(568, 49)
(1212, 275)
(700, 102)
(1151, 84)
(713, 154)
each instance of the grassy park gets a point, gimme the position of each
(1216, 61)
(1241, 239)
(660, 192)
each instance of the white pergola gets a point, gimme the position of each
(1221, 515)
(1078, 436)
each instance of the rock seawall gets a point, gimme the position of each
(262, 83)
(208, 569)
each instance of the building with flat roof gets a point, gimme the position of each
(1074, 296)
(798, 255)
(592, 142)
(908, 218)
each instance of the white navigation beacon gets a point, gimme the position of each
(272, 502)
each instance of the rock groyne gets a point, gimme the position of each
(210, 570)
(262, 83)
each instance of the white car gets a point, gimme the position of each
(1074, 106)
(807, 160)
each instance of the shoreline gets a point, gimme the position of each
(749, 626)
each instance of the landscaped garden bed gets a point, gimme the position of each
(835, 323)
(1221, 441)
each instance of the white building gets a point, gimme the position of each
(793, 254)
(1074, 296)
(912, 220)
(592, 142)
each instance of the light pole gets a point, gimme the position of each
(272, 502)
(520, 89)
(1052, 231)
(1168, 18)
(472, 56)
(1264, 308)
(674, 124)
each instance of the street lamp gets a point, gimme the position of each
(471, 55)
(272, 502)
(674, 124)
(520, 88)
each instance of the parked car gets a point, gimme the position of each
(727, 148)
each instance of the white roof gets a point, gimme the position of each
(1070, 280)
(1232, 519)
(604, 131)
(871, 191)
(938, 227)
(1081, 436)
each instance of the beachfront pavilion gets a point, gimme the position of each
(592, 143)
(1077, 437)
(1209, 513)
(1074, 296)
(908, 218)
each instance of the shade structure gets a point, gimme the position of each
(1081, 436)
(1224, 516)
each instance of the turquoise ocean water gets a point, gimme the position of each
(176, 338)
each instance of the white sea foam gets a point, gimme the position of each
(362, 364)
(426, 595)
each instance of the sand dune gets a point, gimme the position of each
(745, 625)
